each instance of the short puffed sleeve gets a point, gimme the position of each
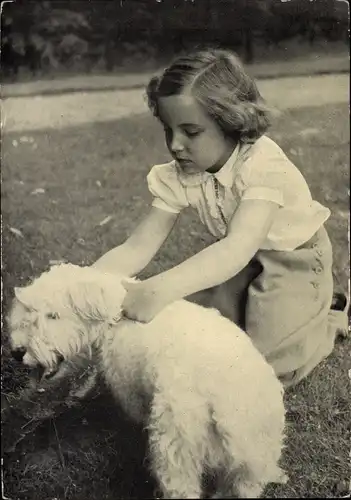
(169, 194)
(268, 173)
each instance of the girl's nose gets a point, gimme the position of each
(177, 145)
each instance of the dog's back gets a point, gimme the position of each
(187, 341)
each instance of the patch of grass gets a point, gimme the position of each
(95, 171)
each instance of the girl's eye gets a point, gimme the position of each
(192, 133)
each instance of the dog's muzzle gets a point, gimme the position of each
(41, 371)
(48, 373)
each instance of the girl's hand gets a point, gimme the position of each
(143, 301)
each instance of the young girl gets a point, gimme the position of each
(252, 198)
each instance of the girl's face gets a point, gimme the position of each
(192, 137)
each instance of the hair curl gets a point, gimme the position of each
(218, 81)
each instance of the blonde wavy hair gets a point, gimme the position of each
(218, 81)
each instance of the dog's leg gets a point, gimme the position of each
(177, 442)
(231, 296)
(245, 481)
(238, 483)
(251, 478)
(89, 384)
(137, 407)
(225, 485)
(133, 404)
(249, 464)
(249, 490)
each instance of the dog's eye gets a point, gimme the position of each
(53, 315)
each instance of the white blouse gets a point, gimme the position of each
(259, 171)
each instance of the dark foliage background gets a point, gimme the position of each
(47, 36)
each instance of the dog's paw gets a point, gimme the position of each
(282, 479)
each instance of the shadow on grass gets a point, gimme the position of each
(91, 449)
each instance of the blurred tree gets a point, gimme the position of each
(313, 19)
(44, 34)
(51, 34)
(117, 26)
(253, 16)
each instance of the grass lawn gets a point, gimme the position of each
(85, 175)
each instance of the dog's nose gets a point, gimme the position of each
(18, 354)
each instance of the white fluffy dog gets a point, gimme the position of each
(209, 400)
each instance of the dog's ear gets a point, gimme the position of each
(18, 292)
(90, 301)
(21, 296)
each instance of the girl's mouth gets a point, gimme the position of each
(183, 162)
(187, 165)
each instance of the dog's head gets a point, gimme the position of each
(57, 316)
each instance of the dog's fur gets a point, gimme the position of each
(209, 400)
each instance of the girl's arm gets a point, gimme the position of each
(137, 251)
(224, 259)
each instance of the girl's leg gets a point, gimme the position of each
(288, 308)
(230, 297)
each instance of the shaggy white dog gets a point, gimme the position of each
(209, 400)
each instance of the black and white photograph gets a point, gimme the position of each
(175, 249)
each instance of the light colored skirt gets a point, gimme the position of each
(282, 300)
